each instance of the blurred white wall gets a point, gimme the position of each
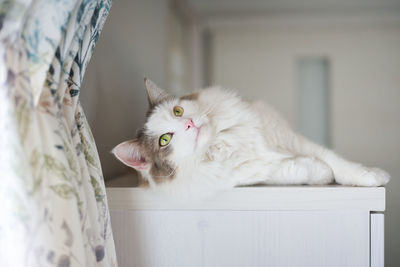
(258, 59)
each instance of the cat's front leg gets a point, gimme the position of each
(345, 172)
(351, 173)
(302, 170)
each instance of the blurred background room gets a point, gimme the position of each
(331, 67)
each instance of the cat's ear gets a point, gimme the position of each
(129, 153)
(155, 94)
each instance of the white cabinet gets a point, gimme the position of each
(251, 226)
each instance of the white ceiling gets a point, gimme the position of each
(232, 7)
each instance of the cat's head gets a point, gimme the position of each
(175, 135)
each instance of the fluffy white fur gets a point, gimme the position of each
(235, 142)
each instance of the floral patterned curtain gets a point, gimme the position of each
(53, 205)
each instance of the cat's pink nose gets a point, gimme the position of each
(189, 124)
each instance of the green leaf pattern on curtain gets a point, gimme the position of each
(54, 206)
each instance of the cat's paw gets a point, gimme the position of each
(364, 176)
(374, 177)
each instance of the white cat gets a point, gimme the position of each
(212, 139)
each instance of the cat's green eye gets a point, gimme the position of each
(178, 111)
(165, 139)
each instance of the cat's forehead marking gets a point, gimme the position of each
(192, 96)
(161, 168)
(150, 144)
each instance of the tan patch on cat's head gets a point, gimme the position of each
(193, 96)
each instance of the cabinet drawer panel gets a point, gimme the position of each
(241, 238)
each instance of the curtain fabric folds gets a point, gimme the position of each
(53, 204)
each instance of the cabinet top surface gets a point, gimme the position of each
(272, 198)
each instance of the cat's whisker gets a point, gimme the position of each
(166, 176)
(208, 111)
